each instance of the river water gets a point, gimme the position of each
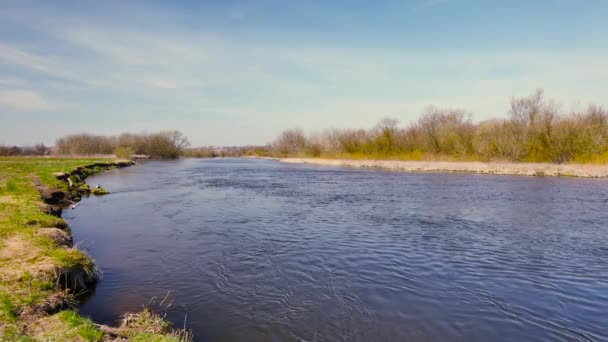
(256, 250)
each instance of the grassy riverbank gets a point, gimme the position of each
(41, 272)
(495, 168)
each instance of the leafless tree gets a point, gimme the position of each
(291, 141)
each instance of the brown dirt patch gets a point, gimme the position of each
(17, 248)
(19, 255)
(7, 200)
(43, 328)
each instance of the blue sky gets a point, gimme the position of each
(238, 72)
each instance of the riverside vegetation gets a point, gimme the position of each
(536, 131)
(41, 272)
(161, 145)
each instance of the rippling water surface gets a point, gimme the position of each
(259, 250)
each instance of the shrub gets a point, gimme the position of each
(535, 131)
(162, 145)
(124, 152)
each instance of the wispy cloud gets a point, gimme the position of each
(13, 81)
(23, 100)
(202, 72)
(10, 54)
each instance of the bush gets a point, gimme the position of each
(535, 131)
(162, 145)
(124, 152)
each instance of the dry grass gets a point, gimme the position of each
(7, 200)
(145, 325)
(40, 271)
(35, 255)
(64, 326)
(57, 236)
(495, 168)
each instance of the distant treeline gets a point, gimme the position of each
(165, 145)
(236, 151)
(162, 145)
(536, 130)
(38, 150)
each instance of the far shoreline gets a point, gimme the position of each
(489, 168)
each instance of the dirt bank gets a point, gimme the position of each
(494, 168)
(41, 272)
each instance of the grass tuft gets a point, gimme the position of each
(99, 191)
(84, 326)
(8, 309)
(76, 268)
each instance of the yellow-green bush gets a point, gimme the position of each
(124, 152)
(535, 131)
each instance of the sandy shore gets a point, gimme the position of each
(524, 169)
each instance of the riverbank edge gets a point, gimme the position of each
(490, 168)
(144, 324)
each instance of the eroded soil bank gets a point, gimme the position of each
(495, 168)
(41, 273)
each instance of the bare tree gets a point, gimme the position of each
(291, 141)
(167, 144)
(430, 125)
(179, 142)
(532, 119)
(447, 130)
(494, 140)
(40, 149)
(386, 132)
(353, 140)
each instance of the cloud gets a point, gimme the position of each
(23, 100)
(13, 55)
(170, 83)
(14, 82)
(207, 77)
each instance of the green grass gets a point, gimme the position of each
(151, 337)
(84, 326)
(12, 334)
(32, 266)
(22, 293)
(99, 191)
(76, 268)
(8, 309)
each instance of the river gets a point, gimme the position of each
(257, 250)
